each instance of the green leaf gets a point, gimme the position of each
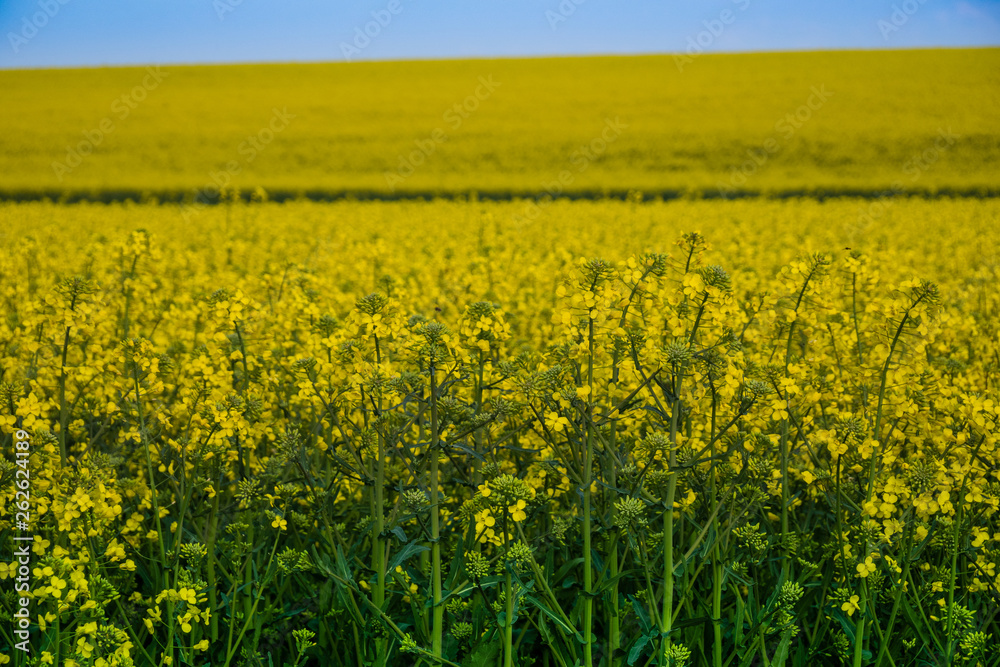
(846, 624)
(738, 625)
(611, 581)
(484, 655)
(564, 570)
(345, 603)
(551, 614)
(342, 568)
(640, 611)
(408, 551)
(637, 649)
(326, 594)
(400, 534)
(467, 450)
(781, 653)
(455, 569)
(729, 573)
(546, 634)
(688, 622)
(918, 625)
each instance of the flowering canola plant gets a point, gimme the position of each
(721, 433)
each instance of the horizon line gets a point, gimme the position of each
(567, 56)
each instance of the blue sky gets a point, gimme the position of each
(68, 33)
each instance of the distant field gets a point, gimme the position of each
(726, 122)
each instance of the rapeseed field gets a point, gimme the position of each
(920, 121)
(535, 432)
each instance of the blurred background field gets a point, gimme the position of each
(708, 124)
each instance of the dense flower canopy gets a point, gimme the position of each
(586, 436)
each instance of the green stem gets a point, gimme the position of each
(213, 601)
(63, 405)
(859, 636)
(588, 583)
(508, 630)
(716, 556)
(437, 627)
(859, 628)
(378, 546)
(854, 312)
(149, 471)
(897, 597)
(666, 622)
(785, 551)
(253, 609)
(614, 620)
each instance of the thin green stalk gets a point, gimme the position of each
(63, 405)
(156, 510)
(588, 574)
(213, 601)
(149, 470)
(785, 551)
(614, 620)
(543, 583)
(378, 548)
(716, 556)
(677, 380)
(437, 626)
(859, 636)
(953, 571)
(666, 622)
(508, 630)
(248, 576)
(477, 475)
(260, 593)
(854, 312)
(840, 524)
(243, 359)
(859, 628)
